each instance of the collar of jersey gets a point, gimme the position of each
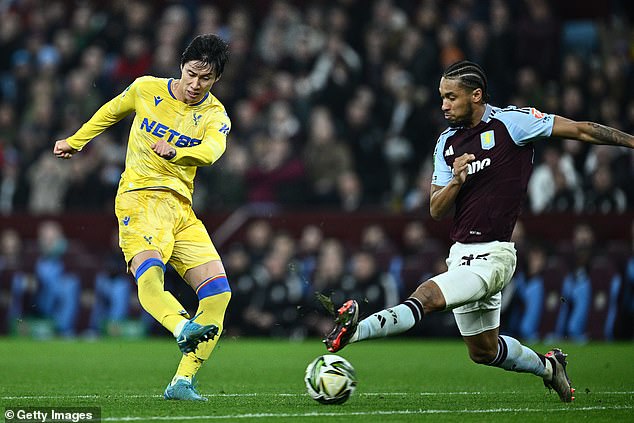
(169, 89)
(487, 113)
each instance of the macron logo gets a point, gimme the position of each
(157, 100)
(449, 151)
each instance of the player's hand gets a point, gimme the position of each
(62, 150)
(163, 149)
(461, 167)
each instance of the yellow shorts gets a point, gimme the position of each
(163, 221)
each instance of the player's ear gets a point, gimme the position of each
(476, 95)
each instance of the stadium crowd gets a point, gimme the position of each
(333, 104)
(321, 95)
(578, 288)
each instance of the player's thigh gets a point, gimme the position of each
(459, 286)
(193, 248)
(479, 316)
(146, 221)
(476, 271)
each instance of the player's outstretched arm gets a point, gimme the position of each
(590, 132)
(63, 150)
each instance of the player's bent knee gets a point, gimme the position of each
(482, 356)
(146, 265)
(213, 286)
(430, 296)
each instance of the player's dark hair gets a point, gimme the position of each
(209, 49)
(469, 74)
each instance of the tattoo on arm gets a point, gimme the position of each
(606, 135)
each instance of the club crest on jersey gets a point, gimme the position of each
(196, 119)
(487, 140)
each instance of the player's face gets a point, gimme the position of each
(196, 81)
(457, 103)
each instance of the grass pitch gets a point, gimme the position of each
(262, 380)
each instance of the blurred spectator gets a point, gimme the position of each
(274, 307)
(543, 186)
(369, 284)
(527, 301)
(277, 175)
(406, 121)
(57, 295)
(326, 157)
(350, 192)
(375, 240)
(309, 246)
(501, 51)
(14, 274)
(213, 192)
(134, 62)
(328, 280)
(238, 265)
(627, 302)
(334, 75)
(284, 245)
(604, 197)
(259, 235)
(417, 256)
(112, 295)
(49, 180)
(365, 138)
(576, 291)
(538, 38)
(417, 198)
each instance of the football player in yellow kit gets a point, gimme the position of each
(178, 126)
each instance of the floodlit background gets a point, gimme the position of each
(324, 186)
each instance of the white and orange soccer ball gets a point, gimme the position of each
(330, 379)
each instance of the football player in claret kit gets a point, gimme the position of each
(482, 164)
(179, 125)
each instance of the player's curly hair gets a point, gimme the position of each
(208, 49)
(469, 74)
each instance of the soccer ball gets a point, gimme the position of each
(330, 379)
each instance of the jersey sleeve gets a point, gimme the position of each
(107, 115)
(212, 146)
(442, 172)
(525, 124)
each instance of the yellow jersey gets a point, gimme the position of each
(197, 131)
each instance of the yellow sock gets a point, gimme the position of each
(213, 309)
(155, 300)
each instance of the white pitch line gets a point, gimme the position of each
(361, 413)
(243, 395)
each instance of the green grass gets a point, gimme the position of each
(262, 380)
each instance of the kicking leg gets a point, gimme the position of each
(391, 321)
(213, 295)
(436, 294)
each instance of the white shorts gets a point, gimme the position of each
(473, 283)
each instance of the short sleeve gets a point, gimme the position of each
(525, 124)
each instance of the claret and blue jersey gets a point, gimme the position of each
(489, 202)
